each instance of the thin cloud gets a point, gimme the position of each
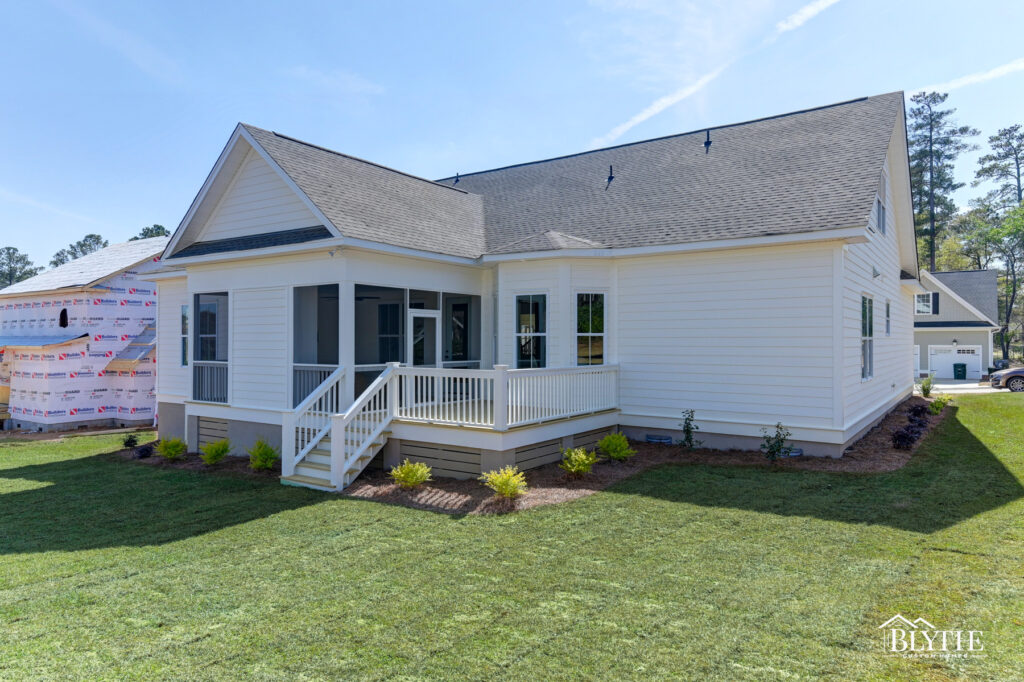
(975, 78)
(14, 197)
(802, 16)
(338, 81)
(140, 53)
(790, 23)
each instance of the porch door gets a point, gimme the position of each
(424, 340)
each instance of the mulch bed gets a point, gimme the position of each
(872, 454)
(549, 485)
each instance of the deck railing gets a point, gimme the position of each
(210, 381)
(500, 398)
(306, 378)
(305, 426)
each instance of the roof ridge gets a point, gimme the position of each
(674, 135)
(356, 158)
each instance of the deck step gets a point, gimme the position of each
(303, 481)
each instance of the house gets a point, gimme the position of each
(77, 342)
(954, 320)
(347, 312)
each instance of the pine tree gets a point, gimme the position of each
(1005, 165)
(935, 142)
(15, 266)
(87, 244)
(150, 232)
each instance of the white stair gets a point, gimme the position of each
(314, 470)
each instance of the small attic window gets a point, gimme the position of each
(880, 215)
(63, 317)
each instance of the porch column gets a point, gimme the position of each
(347, 340)
(500, 405)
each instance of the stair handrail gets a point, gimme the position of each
(340, 460)
(290, 426)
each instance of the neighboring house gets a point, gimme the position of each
(77, 343)
(340, 309)
(954, 321)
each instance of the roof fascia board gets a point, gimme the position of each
(849, 235)
(46, 292)
(288, 181)
(163, 275)
(956, 297)
(366, 245)
(266, 252)
(203, 191)
(957, 329)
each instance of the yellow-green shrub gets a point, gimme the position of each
(215, 451)
(577, 462)
(263, 455)
(171, 449)
(508, 482)
(940, 401)
(615, 446)
(410, 474)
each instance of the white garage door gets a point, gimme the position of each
(942, 358)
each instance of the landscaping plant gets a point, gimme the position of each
(904, 439)
(508, 482)
(577, 462)
(926, 386)
(615, 446)
(410, 474)
(171, 449)
(773, 445)
(940, 402)
(263, 455)
(130, 440)
(215, 451)
(689, 429)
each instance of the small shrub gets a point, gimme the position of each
(918, 411)
(926, 386)
(215, 452)
(508, 482)
(171, 449)
(263, 455)
(410, 474)
(577, 462)
(773, 445)
(940, 402)
(615, 446)
(903, 439)
(689, 429)
(144, 452)
(130, 440)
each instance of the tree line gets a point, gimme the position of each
(16, 266)
(989, 232)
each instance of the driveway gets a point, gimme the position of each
(953, 386)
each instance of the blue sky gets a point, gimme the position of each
(113, 112)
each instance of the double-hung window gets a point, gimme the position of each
(211, 327)
(867, 341)
(184, 336)
(888, 318)
(531, 330)
(922, 304)
(880, 215)
(589, 329)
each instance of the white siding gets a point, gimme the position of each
(259, 347)
(740, 336)
(171, 377)
(894, 357)
(548, 277)
(257, 201)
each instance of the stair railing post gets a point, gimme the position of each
(288, 443)
(392, 390)
(338, 438)
(501, 397)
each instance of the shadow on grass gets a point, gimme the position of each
(952, 477)
(105, 501)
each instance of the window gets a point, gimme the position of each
(888, 318)
(589, 329)
(212, 327)
(880, 215)
(184, 336)
(63, 320)
(923, 304)
(867, 342)
(389, 332)
(531, 330)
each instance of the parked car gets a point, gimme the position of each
(1012, 379)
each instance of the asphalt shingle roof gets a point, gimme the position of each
(90, 267)
(368, 201)
(980, 288)
(806, 171)
(255, 241)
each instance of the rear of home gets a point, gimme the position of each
(349, 313)
(954, 321)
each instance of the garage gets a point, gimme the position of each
(942, 358)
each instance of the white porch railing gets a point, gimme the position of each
(210, 381)
(500, 398)
(355, 431)
(310, 421)
(306, 378)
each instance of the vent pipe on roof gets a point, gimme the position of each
(611, 176)
(456, 179)
(707, 142)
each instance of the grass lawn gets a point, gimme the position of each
(111, 570)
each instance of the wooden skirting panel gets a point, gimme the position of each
(211, 430)
(445, 460)
(539, 454)
(590, 439)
